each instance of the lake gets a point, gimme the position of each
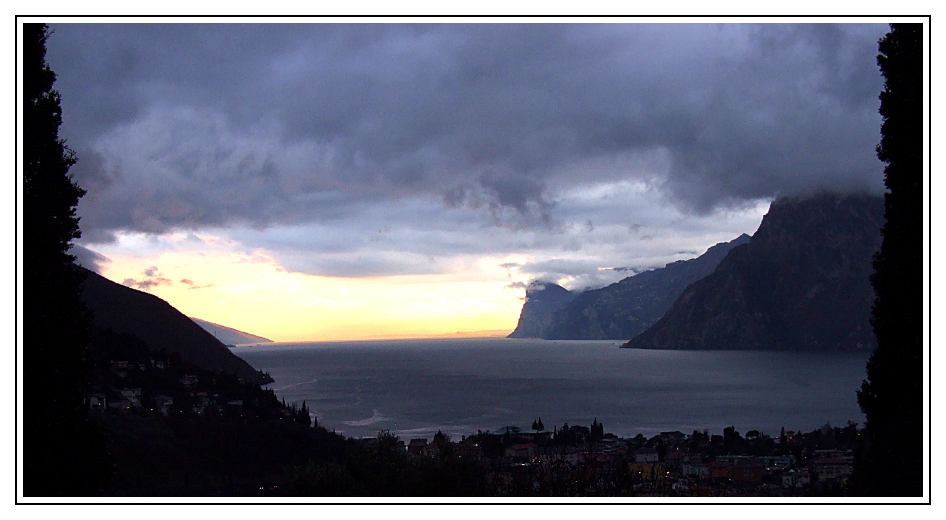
(415, 387)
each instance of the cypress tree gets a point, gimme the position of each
(63, 454)
(891, 396)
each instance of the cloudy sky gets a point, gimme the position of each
(329, 181)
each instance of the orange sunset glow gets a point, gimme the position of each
(253, 293)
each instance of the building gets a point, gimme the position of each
(162, 404)
(795, 478)
(720, 470)
(645, 455)
(832, 468)
(673, 437)
(97, 402)
(416, 446)
(189, 381)
(521, 452)
(674, 461)
(777, 462)
(132, 395)
(747, 471)
(119, 368)
(695, 467)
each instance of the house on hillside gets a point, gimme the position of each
(119, 368)
(674, 461)
(416, 446)
(162, 404)
(521, 452)
(568, 454)
(673, 437)
(695, 467)
(133, 395)
(796, 478)
(832, 468)
(777, 462)
(646, 455)
(119, 404)
(189, 381)
(720, 470)
(97, 402)
(747, 471)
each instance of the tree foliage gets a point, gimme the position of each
(597, 430)
(62, 452)
(892, 394)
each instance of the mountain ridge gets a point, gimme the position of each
(621, 310)
(802, 283)
(229, 335)
(160, 325)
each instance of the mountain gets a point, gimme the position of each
(624, 309)
(542, 300)
(802, 283)
(161, 326)
(229, 335)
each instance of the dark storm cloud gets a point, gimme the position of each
(190, 125)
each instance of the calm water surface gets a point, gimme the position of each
(415, 387)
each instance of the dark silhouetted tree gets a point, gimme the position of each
(537, 425)
(62, 453)
(597, 430)
(892, 394)
(732, 441)
(441, 438)
(661, 450)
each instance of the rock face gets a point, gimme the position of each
(802, 283)
(160, 325)
(624, 309)
(542, 300)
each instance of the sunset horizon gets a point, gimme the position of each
(639, 259)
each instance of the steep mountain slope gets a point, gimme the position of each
(228, 335)
(802, 283)
(542, 300)
(624, 309)
(160, 325)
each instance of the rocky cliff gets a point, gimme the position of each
(542, 300)
(624, 309)
(802, 283)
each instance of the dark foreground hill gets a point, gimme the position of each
(229, 335)
(161, 326)
(802, 283)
